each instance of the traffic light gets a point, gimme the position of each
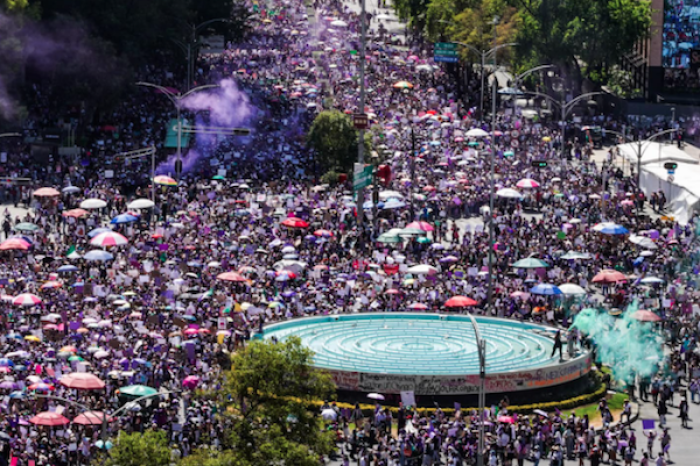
(178, 168)
(670, 165)
(539, 164)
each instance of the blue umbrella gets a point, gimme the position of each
(124, 218)
(609, 228)
(97, 231)
(67, 268)
(6, 362)
(394, 204)
(545, 289)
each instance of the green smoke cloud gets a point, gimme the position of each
(625, 344)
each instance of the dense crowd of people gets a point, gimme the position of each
(154, 311)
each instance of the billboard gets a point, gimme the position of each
(681, 44)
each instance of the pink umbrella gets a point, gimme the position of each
(91, 418)
(191, 331)
(26, 299)
(109, 238)
(418, 307)
(425, 226)
(520, 294)
(190, 381)
(49, 419)
(506, 419)
(527, 183)
(82, 380)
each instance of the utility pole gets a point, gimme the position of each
(361, 132)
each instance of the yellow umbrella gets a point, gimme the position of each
(546, 139)
(33, 338)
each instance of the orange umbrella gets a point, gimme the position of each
(403, 85)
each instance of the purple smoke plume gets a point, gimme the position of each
(227, 105)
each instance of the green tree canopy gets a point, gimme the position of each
(568, 33)
(334, 140)
(150, 448)
(267, 392)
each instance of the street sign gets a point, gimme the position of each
(360, 121)
(670, 178)
(446, 52)
(363, 176)
(671, 172)
(446, 59)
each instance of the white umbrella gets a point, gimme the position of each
(339, 23)
(93, 204)
(140, 204)
(375, 396)
(643, 241)
(422, 269)
(477, 133)
(98, 255)
(571, 289)
(70, 190)
(509, 193)
(329, 415)
(652, 280)
(384, 195)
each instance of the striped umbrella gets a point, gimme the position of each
(109, 238)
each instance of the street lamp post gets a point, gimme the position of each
(483, 55)
(481, 346)
(361, 132)
(176, 99)
(193, 43)
(640, 153)
(565, 107)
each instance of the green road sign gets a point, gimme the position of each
(445, 46)
(171, 135)
(363, 176)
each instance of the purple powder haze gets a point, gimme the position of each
(228, 106)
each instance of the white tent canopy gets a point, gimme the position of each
(655, 152)
(682, 194)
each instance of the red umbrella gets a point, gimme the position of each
(323, 233)
(507, 419)
(48, 418)
(231, 277)
(293, 222)
(91, 418)
(82, 380)
(646, 316)
(418, 307)
(609, 276)
(460, 301)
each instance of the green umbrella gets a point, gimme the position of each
(508, 153)
(473, 144)
(530, 263)
(218, 177)
(423, 240)
(75, 358)
(26, 226)
(137, 391)
(389, 238)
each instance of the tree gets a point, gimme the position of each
(568, 33)
(333, 139)
(272, 385)
(138, 449)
